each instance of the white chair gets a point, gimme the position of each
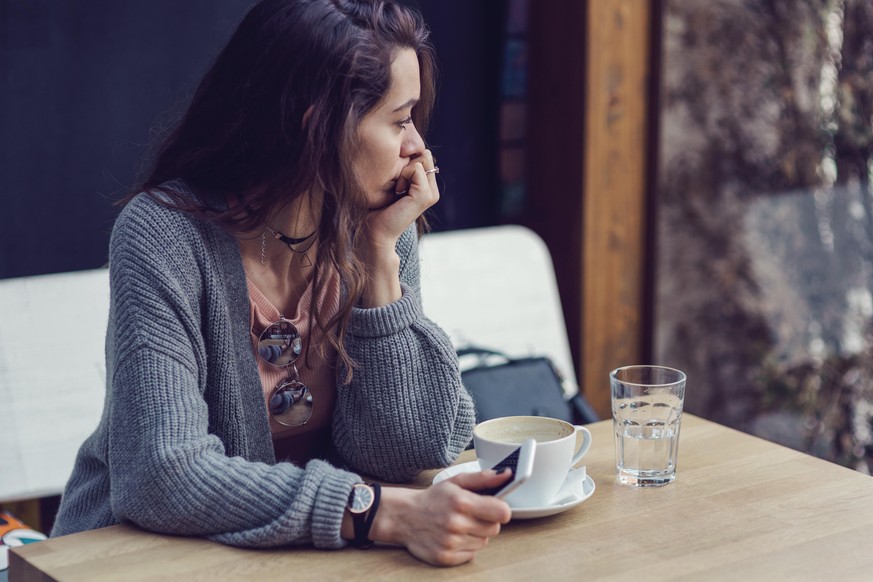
(495, 288)
(52, 377)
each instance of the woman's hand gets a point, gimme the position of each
(386, 224)
(417, 191)
(445, 524)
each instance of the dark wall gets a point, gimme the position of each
(83, 83)
(468, 37)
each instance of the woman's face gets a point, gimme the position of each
(388, 139)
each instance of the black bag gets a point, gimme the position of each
(521, 387)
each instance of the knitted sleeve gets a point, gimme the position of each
(406, 409)
(169, 473)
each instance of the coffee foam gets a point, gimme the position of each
(516, 431)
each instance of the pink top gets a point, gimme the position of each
(317, 371)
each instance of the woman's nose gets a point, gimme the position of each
(413, 145)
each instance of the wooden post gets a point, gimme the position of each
(616, 137)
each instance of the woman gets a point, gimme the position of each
(265, 316)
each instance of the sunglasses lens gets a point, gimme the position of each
(280, 344)
(291, 403)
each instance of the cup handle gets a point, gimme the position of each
(586, 444)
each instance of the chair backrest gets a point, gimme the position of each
(495, 288)
(52, 376)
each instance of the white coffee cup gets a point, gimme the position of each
(554, 457)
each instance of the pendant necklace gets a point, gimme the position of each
(291, 243)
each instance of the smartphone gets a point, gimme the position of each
(520, 461)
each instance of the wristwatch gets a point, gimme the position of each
(362, 504)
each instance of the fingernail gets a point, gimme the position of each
(503, 470)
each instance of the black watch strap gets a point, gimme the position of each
(364, 521)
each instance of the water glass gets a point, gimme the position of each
(646, 412)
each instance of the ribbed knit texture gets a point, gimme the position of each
(184, 445)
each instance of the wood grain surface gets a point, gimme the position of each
(741, 508)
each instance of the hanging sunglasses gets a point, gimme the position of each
(290, 401)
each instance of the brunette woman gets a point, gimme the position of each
(266, 340)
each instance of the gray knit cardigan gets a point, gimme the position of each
(184, 446)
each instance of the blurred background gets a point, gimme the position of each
(701, 172)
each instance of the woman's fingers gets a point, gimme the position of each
(443, 557)
(391, 220)
(449, 550)
(486, 528)
(484, 507)
(419, 179)
(477, 515)
(455, 522)
(481, 479)
(427, 177)
(478, 528)
(421, 190)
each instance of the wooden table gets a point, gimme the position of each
(741, 508)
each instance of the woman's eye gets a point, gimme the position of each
(404, 122)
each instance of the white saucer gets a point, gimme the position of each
(582, 491)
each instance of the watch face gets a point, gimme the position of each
(362, 498)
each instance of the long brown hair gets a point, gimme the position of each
(244, 130)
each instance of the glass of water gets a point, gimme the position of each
(646, 412)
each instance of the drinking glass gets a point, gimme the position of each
(646, 413)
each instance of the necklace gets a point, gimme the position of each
(305, 261)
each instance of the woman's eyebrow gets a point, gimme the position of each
(411, 103)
